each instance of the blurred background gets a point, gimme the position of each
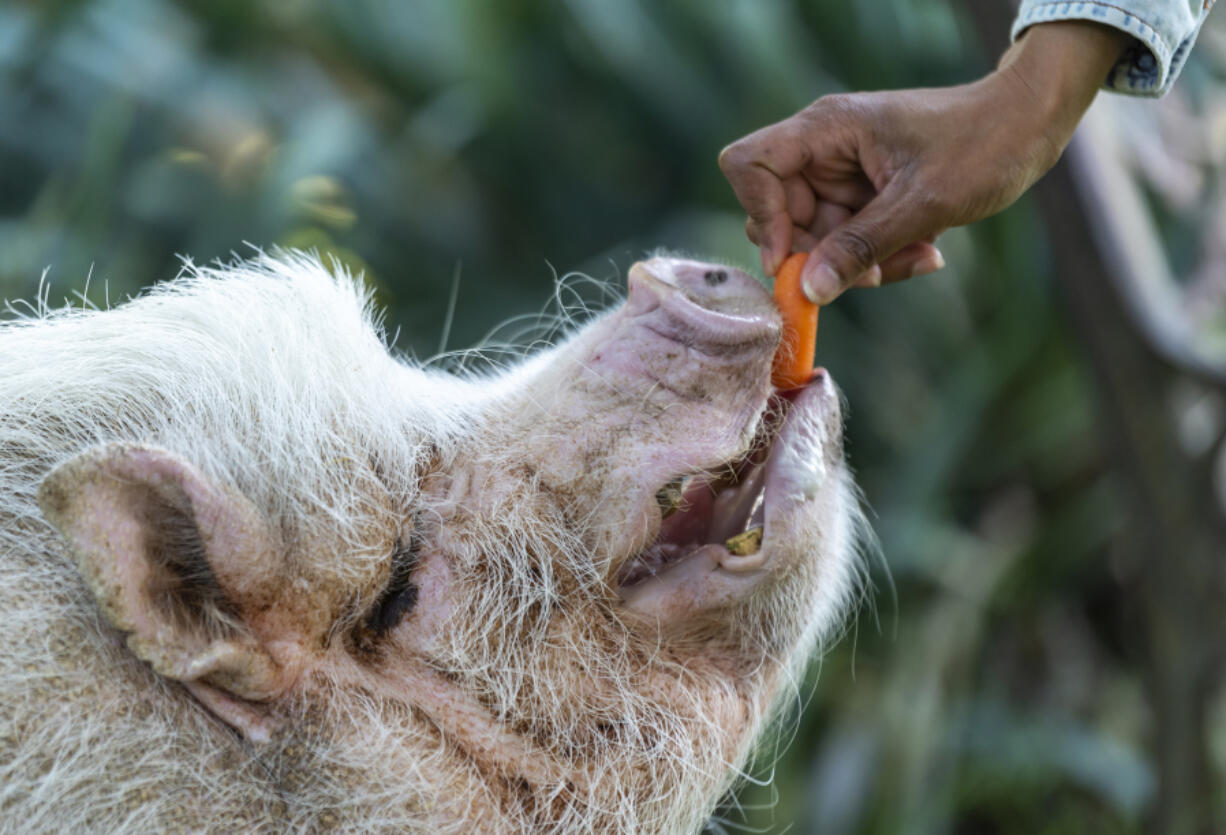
(1038, 429)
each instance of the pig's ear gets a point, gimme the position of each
(180, 565)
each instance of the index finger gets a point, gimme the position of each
(756, 167)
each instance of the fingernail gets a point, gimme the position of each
(931, 264)
(768, 261)
(870, 278)
(821, 284)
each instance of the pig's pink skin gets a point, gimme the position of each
(805, 493)
(716, 311)
(521, 692)
(674, 381)
(659, 387)
(687, 387)
(799, 470)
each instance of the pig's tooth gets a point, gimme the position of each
(668, 497)
(746, 543)
(757, 514)
(734, 506)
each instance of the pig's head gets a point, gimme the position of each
(565, 597)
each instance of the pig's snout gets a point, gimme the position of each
(702, 304)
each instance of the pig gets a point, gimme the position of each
(261, 575)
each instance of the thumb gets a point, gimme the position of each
(885, 225)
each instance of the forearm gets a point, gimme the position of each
(1159, 36)
(1062, 66)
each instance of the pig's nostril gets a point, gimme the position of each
(714, 278)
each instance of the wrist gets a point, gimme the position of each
(1060, 66)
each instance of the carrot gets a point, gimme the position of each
(793, 365)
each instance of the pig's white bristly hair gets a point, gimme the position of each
(93, 733)
(174, 368)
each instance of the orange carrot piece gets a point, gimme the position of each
(793, 365)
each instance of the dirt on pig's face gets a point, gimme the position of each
(362, 595)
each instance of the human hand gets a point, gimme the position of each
(867, 181)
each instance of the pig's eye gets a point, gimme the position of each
(397, 599)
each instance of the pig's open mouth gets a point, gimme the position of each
(720, 511)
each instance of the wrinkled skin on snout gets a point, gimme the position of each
(260, 574)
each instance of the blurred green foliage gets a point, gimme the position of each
(990, 684)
